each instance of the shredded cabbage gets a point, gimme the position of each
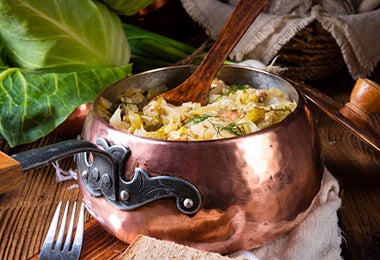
(231, 111)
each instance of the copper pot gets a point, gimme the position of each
(220, 195)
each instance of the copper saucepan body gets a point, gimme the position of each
(220, 195)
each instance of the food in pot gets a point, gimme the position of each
(231, 111)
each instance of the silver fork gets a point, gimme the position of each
(67, 251)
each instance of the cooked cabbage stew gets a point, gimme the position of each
(231, 111)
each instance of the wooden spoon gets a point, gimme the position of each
(196, 87)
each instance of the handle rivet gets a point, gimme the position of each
(124, 195)
(188, 203)
(85, 174)
(95, 174)
(106, 181)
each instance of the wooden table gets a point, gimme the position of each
(25, 213)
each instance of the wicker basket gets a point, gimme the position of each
(311, 54)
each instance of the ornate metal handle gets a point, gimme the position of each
(102, 174)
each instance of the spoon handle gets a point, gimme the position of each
(195, 88)
(236, 26)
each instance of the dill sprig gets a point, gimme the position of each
(232, 90)
(232, 128)
(197, 119)
(236, 129)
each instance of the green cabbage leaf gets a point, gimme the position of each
(62, 35)
(54, 56)
(32, 105)
(127, 7)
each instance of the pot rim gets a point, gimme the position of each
(300, 104)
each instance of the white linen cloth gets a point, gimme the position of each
(317, 237)
(353, 23)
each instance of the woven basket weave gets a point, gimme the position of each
(311, 54)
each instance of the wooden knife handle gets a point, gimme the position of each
(11, 173)
(364, 101)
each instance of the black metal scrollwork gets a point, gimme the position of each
(101, 173)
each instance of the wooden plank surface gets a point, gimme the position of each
(25, 213)
(357, 167)
(98, 244)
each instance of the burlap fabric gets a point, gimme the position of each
(353, 24)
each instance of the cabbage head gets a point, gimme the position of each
(62, 35)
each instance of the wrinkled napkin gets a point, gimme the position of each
(318, 236)
(354, 24)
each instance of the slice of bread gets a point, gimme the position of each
(145, 247)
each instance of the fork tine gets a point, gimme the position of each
(70, 230)
(67, 252)
(49, 240)
(78, 240)
(58, 243)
